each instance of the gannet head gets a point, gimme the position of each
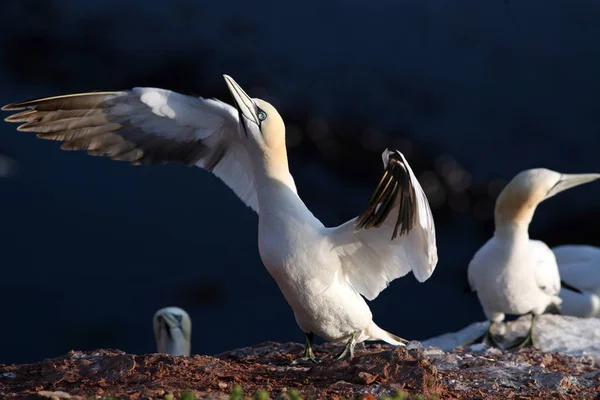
(172, 331)
(259, 120)
(518, 200)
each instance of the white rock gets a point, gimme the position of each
(552, 333)
(568, 335)
(449, 341)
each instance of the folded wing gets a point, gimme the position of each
(145, 126)
(579, 267)
(546, 270)
(395, 234)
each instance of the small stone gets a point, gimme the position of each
(223, 385)
(54, 395)
(364, 378)
(414, 345)
(433, 352)
(493, 351)
(341, 383)
(477, 347)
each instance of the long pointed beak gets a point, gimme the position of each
(243, 102)
(164, 327)
(568, 181)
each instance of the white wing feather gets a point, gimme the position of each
(546, 271)
(146, 126)
(579, 266)
(371, 259)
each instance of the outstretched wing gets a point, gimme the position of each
(146, 126)
(394, 235)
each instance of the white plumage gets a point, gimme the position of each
(579, 267)
(172, 331)
(511, 273)
(371, 261)
(321, 271)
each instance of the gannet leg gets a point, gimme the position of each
(309, 356)
(533, 319)
(488, 337)
(348, 351)
(528, 339)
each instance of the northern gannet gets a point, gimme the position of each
(172, 331)
(579, 267)
(322, 272)
(511, 273)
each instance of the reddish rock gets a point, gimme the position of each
(375, 371)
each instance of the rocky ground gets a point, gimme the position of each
(579, 337)
(377, 371)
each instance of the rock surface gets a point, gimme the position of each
(377, 370)
(552, 333)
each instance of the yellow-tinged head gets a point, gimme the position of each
(517, 202)
(258, 119)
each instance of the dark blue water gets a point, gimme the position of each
(91, 247)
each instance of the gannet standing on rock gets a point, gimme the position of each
(511, 273)
(579, 267)
(322, 272)
(172, 331)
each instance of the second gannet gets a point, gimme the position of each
(579, 267)
(511, 273)
(322, 272)
(172, 331)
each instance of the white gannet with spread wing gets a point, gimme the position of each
(511, 273)
(322, 272)
(579, 267)
(172, 331)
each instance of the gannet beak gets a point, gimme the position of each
(568, 181)
(171, 321)
(166, 323)
(243, 103)
(163, 328)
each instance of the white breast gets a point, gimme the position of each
(503, 274)
(298, 255)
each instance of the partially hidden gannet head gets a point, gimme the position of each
(259, 120)
(172, 331)
(518, 200)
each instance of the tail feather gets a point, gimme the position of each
(376, 333)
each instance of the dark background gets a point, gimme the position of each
(472, 92)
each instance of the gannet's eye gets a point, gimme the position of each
(262, 115)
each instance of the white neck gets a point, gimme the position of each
(512, 230)
(177, 346)
(512, 216)
(272, 174)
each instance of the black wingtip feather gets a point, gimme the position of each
(395, 183)
(572, 288)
